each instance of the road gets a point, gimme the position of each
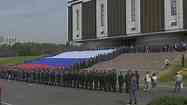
(20, 93)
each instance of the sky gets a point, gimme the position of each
(34, 20)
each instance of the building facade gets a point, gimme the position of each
(127, 22)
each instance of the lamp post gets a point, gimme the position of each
(182, 60)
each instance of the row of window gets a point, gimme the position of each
(173, 4)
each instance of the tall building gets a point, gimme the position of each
(127, 22)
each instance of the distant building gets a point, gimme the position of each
(127, 22)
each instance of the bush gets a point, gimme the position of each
(169, 101)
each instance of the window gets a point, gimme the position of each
(173, 23)
(133, 29)
(78, 18)
(133, 11)
(173, 7)
(102, 15)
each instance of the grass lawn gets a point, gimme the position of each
(168, 75)
(168, 100)
(16, 60)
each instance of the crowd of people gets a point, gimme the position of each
(106, 80)
(93, 80)
(103, 80)
(100, 80)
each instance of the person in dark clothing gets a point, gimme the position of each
(137, 79)
(46, 79)
(121, 82)
(77, 79)
(101, 80)
(82, 80)
(133, 90)
(105, 81)
(86, 80)
(65, 79)
(114, 80)
(74, 79)
(32, 76)
(58, 78)
(127, 81)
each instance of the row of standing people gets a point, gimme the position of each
(93, 80)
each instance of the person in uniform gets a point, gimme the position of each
(38, 76)
(50, 77)
(61, 76)
(78, 79)
(89, 80)
(27, 76)
(110, 81)
(58, 78)
(86, 80)
(81, 80)
(32, 76)
(96, 80)
(18, 74)
(114, 80)
(121, 82)
(46, 80)
(53, 78)
(102, 80)
(43, 76)
(137, 75)
(105, 78)
(127, 81)
(68, 79)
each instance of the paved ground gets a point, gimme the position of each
(19, 93)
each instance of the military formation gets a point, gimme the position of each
(109, 81)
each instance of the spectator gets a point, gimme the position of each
(166, 63)
(154, 80)
(9, 76)
(178, 82)
(147, 80)
(133, 93)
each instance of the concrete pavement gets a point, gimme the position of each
(20, 93)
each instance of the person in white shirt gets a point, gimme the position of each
(147, 80)
(178, 82)
(166, 63)
(154, 80)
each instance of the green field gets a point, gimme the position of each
(168, 75)
(16, 60)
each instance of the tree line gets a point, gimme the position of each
(32, 48)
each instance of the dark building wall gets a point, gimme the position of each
(160, 39)
(116, 17)
(89, 20)
(185, 13)
(70, 22)
(152, 15)
(103, 43)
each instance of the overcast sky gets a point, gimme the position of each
(34, 20)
